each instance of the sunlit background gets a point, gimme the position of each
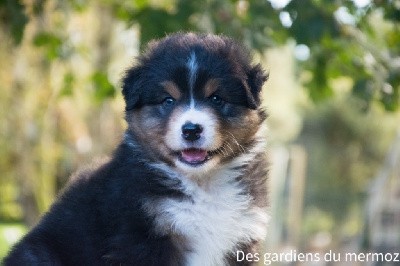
(333, 100)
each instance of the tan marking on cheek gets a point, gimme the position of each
(249, 126)
(240, 132)
(142, 120)
(149, 122)
(149, 132)
(134, 122)
(172, 89)
(210, 87)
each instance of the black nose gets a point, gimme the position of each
(191, 131)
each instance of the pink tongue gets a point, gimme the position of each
(194, 155)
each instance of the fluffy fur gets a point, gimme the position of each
(186, 186)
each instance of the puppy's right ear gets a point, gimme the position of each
(131, 87)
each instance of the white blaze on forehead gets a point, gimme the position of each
(192, 66)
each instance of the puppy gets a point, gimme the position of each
(187, 184)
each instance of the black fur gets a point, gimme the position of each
(99, 219)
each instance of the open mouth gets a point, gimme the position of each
(194, 156)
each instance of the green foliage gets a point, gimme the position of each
(79, 5)
(68, 84)
(352, 145)
(391, 93)
(156, 21)
(9, 209)
(352, 49)
(312, 21)
(255, 23)
(12, 16)
(51, 42)
(364, 91)
(338, 48)
(103, 87)
(391, 9)
(319, 88)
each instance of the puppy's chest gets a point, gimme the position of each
(212, 222)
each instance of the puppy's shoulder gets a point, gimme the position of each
(89, 171)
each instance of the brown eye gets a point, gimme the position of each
(216, 100)
(168, 102)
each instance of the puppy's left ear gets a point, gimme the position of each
(131, 87)
(255, 80)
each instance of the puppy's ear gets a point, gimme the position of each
(131, 87)
(255, 80)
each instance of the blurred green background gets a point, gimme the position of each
(333, 99)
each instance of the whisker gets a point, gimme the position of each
(235, 141)
(229, 146)
(223, 149)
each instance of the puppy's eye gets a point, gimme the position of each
(216, 100)
(169, 101)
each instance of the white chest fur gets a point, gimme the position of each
(216, 218)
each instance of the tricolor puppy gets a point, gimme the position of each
(187, 185)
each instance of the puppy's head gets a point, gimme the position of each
(193, 101)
